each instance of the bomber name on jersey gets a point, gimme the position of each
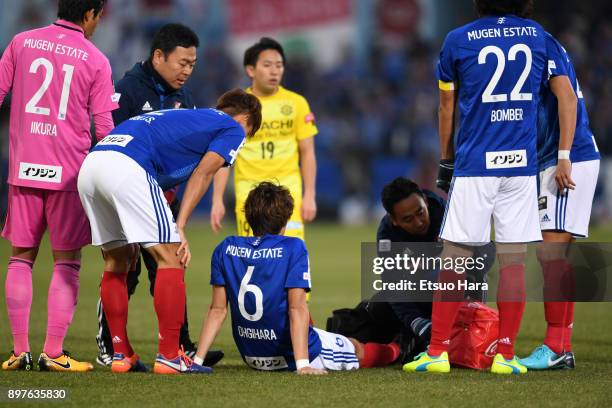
(59, 49)
(502, 32)
(264, 253)
(504, 115)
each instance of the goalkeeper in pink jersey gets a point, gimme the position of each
(59, 81)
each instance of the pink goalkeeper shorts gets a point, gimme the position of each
(32, 210)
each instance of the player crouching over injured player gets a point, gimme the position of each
(121, 187)
(265, 279)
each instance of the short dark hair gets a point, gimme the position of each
(267, 208)
(251, 55)
(74, 10)
(521, 8)
(237, 101)
(173, 35)
(397, 190)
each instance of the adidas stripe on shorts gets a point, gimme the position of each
(337, 352)
(571, 211)
(123, 202)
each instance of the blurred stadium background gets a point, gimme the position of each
(365, 66)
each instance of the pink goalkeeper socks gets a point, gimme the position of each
(61, 304)
(18, 290)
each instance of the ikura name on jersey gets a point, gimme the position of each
(44, 129)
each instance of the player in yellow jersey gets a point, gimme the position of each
(282, 151)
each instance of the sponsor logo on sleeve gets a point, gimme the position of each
(233, 154)
(309, 118)
(40, 172)
(506, 159)
(552, 66)
(116, 140)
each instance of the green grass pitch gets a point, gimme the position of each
(334, 253)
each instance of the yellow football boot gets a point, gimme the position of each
(63, 363)
(21, 362)
(502, 366)
(426, 363)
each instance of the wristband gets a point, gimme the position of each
(299, 364)
(564, 154)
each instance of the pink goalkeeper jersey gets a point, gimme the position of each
(58, 79)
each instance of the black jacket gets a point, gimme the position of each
(143, 90)
(408, 311)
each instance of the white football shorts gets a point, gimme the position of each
(571, 211)
(123, 202)
(337, 352)
(510, 202)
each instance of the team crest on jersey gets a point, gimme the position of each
(40, 172)
(286, 110)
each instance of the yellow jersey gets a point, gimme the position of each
(272, 154)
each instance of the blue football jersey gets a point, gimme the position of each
(497, 65)
(256, 273)
(584, 146)
(169, 144)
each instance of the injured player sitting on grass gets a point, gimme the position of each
(265, 279)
